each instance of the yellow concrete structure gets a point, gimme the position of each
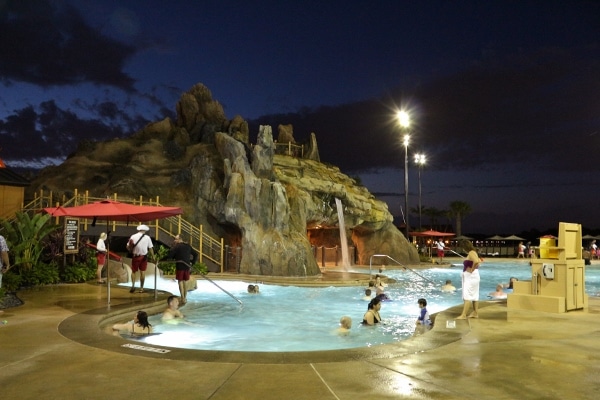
(547, 246)
(557, 282)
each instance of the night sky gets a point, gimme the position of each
(504, 96)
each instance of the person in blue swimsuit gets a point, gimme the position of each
(423, 321)
(372, 316)
(424, 314)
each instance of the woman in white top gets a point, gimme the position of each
(100, 256)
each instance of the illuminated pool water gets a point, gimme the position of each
(288, 318)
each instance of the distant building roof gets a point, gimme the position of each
(10, 178)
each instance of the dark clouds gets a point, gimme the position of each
(503, 95)
(47, 45)
(541, 109)
(50, 132)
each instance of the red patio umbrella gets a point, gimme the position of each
(431, 233)
(111, 210)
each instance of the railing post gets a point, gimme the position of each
(200, 249)
(56, 218)
(222, 244)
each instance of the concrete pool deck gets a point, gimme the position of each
(52, 347)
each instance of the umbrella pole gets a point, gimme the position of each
(107, 262)
(155, 279)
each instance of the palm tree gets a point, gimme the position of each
(415, 211)
(433, 214)
(459, 209)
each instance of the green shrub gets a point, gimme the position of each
(41, 274)
(424, 258)
(25, 237)
(11, 281)
(78, 272)
(199, 268)
(168, 268)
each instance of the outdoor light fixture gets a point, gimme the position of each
(404, 120)
(420, 161)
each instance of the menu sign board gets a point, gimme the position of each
(71, 235)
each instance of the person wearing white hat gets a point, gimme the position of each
(140, 244)
(100, 256)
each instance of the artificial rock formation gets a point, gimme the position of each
(257, 199)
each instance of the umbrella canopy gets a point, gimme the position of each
(111, 210)
(114, 211)
(463, 237)
(513, 237)
(431, 233)
(496, 237)
(588, 237)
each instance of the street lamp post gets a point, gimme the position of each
(420, 160)
(404, 120)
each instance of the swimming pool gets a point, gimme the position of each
(292, 319)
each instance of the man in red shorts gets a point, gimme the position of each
(185, 257)
(440, 250)
(140, 244)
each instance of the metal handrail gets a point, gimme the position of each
(211, 281)
(290, 149)
(397, 262)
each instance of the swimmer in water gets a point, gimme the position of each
(345, 325)
(372, 316)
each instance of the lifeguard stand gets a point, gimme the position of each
(557, 278)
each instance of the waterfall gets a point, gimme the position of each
(343, 240)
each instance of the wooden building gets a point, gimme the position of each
(12, 192)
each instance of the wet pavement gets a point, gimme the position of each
(53, 346)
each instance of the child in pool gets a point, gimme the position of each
(499, 293)
(423, 319)
(448, 287)
(253, 289)
(345, 325)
